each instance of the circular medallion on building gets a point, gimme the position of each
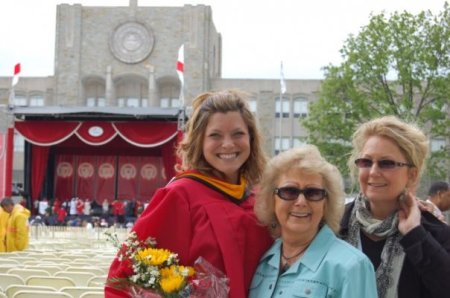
(148, 171)
(106, 170)
(128, 171)
(64, 170)
(95, 131)
(131, 42)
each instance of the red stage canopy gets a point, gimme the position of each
(139, 140)
(147, 134)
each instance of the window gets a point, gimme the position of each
(285, 105)
(132, 102)
(285, 144)
(169, 102)
(20, 101)
(297, 143)
(37, 101)
(300, 108)
(253, 105)
(94, 91)
(19, 142)
(437, 144)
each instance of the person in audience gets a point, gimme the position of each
(409, 249)
(438, 200)
(301, 201)
(207, 209)
(105, 207)
(13, 226)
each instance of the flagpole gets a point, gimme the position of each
(282, 91)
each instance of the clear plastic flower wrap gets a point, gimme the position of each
(155, 272)
(208, 282)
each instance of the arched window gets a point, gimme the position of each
(282, 106)
(94, 91)
(37, 100)
(132, 91)
(300, 107)
(169, 93)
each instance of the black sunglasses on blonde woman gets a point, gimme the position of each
(383, 164)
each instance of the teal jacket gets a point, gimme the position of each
(330, 267)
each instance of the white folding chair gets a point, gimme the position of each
(10, 279)
(27, 272)
(40, 294)
(12, 289)
(90, 269)
(93, 295)
(80, 278)
(97, 281)
(76, 292)
(56, 282)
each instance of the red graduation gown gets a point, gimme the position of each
(193, 220)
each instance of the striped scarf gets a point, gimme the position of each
(392, 256)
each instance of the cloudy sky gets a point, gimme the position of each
(257, 34)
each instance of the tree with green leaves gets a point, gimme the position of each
(397, 65)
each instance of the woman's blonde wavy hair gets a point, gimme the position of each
(204, 106)
(308, 160)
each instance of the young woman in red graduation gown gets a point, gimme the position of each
(207, 209)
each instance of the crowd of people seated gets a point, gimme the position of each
(88, 213)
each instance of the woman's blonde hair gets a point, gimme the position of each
(411, 141)
(204, 106)
(308, 160)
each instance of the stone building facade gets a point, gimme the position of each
(126, 57)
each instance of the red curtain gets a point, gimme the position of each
(3, 169)
(64, 176)
(85, 180)
(96, 133)
(150, 177)
(127, 177)
(106, 177)
(46, 133)
(145, 134)
(39, 158)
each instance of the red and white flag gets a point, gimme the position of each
(180, 64)
(15, 79)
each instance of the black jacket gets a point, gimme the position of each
(426, 268)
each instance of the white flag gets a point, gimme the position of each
(282, 82)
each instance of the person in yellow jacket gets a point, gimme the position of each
(14, 232)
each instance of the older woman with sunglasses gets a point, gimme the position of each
(410, 250)
(301, 201)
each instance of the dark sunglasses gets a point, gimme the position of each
(291, 193)
(382, 164)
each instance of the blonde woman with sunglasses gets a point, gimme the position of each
(301, 201)
(409, 248)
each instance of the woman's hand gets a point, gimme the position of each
(409, 214)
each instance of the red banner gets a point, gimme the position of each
(127, 177)
(64, 177)
(3, 172)
(150, 177)
(86, 177)
(106, 178)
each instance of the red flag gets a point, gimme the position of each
(180, 64)
(16, 74)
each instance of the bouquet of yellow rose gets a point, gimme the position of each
(156, 272)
